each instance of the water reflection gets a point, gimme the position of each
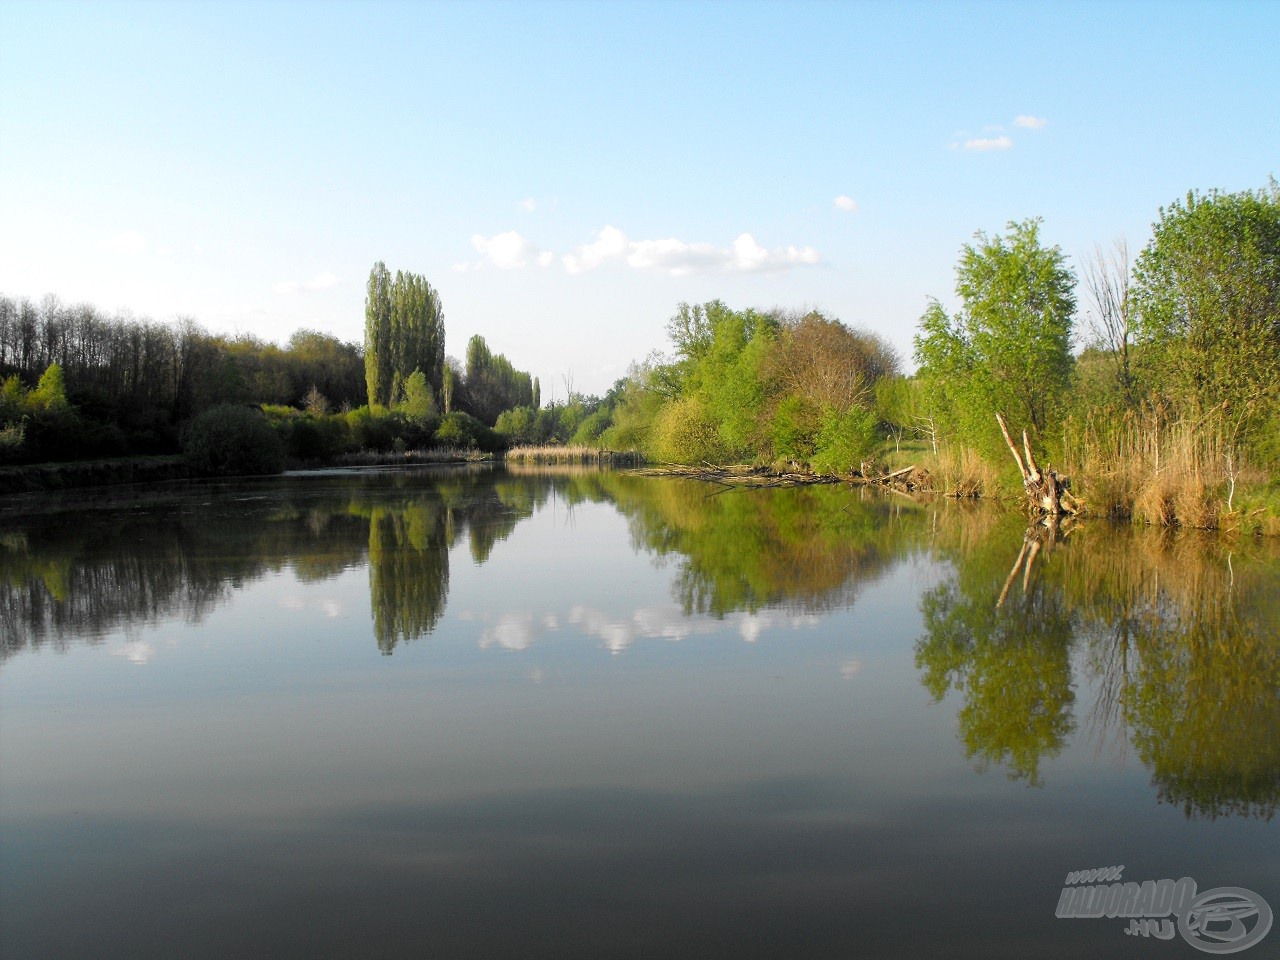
(1179, 643)
(1161, 645)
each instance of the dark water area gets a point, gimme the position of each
(489, 713)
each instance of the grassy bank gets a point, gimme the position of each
(38, 477)
(1174, 476)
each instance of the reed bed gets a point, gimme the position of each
(1187, 473)
(574, 455)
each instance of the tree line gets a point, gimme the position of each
(79, 383)
(1154, 381)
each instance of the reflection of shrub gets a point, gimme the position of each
(230, 440)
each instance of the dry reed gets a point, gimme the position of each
(574, 455)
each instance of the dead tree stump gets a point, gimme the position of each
(1047, 493)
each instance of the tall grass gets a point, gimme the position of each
(574, 455)
(1158, 470)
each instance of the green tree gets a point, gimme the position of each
(51, 392)
(418, 404)
(404, 331)
(1207, 288)
(1009, 347)
(377, 335)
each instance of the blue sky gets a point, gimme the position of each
(566, 173)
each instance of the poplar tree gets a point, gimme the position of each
(404, 332)
(377, 334)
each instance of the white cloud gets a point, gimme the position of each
(989, 143)
(510, 251)
(1029, 122)
(678, 258)
(528, 204)
(848, 204)
(130, 243)
(610, 244)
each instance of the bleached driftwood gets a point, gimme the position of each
(1047, 492)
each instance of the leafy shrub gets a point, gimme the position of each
(230, 440)
(844, 439)
(371, 428)
(11, 440)
(685, 433)
(519, 425)
(589, 431)
(463, 431)
(792, 429)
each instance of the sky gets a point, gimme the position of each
(565, 174)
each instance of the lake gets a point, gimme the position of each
(486, 712)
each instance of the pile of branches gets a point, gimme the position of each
(911, 479)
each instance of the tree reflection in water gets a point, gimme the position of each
(1172, 641)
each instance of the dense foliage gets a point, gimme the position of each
(1009, 347)
(231, 440)
(403, 333)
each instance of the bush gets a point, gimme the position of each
(371, 428)
(230, 440)
(792, 429)
(589, 431)
(844, 439)
(519, 425)
(685, 433)
(465, 432)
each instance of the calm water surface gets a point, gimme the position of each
(487, 714)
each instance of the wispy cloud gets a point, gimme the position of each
(1029, 122)
(528, 204)
(510, 251)
(680, 258)
(982, 144)
(848, 204)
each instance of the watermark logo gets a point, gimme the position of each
(1221, 920)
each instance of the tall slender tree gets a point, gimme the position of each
(404, 331)
(377, 334)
